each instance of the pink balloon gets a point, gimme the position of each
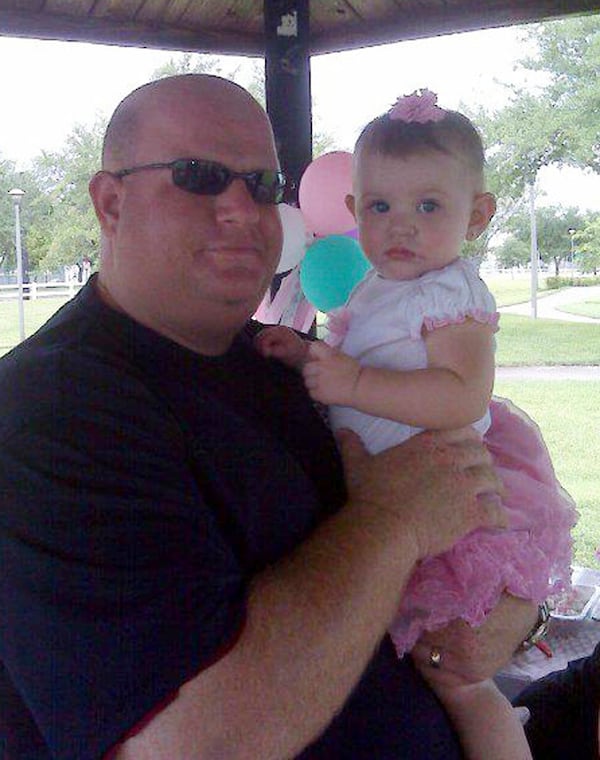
(323, 189)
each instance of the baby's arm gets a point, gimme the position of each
(453, 391)
(488, 726)
(284, 344)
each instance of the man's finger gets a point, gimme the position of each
(493, 514)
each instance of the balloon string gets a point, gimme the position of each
(289, 307)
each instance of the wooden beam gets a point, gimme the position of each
(48, 26)
(435, 21)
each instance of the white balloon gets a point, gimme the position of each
(296, 237)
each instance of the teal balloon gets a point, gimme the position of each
(330, 269)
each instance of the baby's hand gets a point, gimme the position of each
(282, 343)
(329, 375)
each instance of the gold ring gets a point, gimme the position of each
(435, 658)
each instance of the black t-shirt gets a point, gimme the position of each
(141, 487)
(564, 709)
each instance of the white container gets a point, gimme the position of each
(576, 603)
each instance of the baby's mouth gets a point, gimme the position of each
(400, 254)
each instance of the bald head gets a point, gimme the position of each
(170, 102)
(190, 265)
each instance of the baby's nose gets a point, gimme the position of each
(404, 224)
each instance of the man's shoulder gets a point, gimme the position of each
(73, 361)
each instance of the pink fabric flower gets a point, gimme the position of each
(420, 107)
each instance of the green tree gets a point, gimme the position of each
(554, 120)
(513, 252)
(568, 57)
(63, 228)
(7, 224)
(9, 179)
(553, 225)
(587, 242)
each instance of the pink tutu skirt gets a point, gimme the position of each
(531, 559)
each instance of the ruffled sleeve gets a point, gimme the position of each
(449, 296)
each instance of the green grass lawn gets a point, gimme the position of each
(522, 341)
(35, 314)
(511, 288)
(568, 414)
(583, 309)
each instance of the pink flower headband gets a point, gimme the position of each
(420, 107)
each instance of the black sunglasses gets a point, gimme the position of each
(195, 175)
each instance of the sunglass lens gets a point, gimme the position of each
(268, 187)
(210, 178)
(201, 177)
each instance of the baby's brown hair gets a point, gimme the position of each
(453, 134)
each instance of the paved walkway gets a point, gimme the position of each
(546, 306)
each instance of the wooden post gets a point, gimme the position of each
(287, 83)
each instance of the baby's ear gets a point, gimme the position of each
(349, 201)
(484, 208)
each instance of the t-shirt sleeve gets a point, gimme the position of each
(115, 574)
(448, 296)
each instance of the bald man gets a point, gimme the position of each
(185, 573)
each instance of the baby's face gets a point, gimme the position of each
(414, 212)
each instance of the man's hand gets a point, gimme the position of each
(439, 486)
(330, 376)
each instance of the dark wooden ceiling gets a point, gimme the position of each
(236, 26)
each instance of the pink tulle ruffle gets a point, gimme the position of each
(532, 559)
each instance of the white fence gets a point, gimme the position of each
(35, 290)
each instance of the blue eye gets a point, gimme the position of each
(428, 206)
(380, 207)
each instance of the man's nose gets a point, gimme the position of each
(235, 204)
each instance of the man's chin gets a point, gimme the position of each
(240, 300)
(244, 288)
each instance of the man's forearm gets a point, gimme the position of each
(313, 623)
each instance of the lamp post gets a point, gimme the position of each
(16, 196)
(572, 232)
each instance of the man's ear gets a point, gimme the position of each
(105, 191)
(484, 208)
(349, 201)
